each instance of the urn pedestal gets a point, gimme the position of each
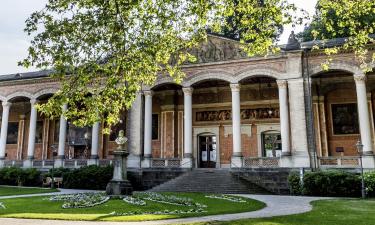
(119, 185)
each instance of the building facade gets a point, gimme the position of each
(230, 111)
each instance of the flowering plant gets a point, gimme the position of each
(227, 198)
(134, 201)
(81, 200)
(164, 212)
(168, 199)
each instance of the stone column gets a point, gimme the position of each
(187, 161)
(32, 130)
(284, 116)
(363, 113)
(62, 138)
(147, 130)
(4, 130)
(298, 128)
(236, 125)
(95, 143)
(134, 128)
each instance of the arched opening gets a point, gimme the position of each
(167, 121)
(335, 113)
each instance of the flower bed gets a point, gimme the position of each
(134, 201)
(227, 198)
(164, 212)
(168, 199)
(81, 200)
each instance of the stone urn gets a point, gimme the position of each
(119, 185)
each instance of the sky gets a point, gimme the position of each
(14, 42)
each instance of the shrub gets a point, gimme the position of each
(18, 176)
(89, 177)
(369, 178)
(327, 183)
(294, 184)
(57, 172)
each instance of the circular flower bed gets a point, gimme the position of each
(134, 201)
(81, 200)
(227, 198)
(168, 199)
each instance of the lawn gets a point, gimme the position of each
(325, 212)
(42, 208)
(9, 190)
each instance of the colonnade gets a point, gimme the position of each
(32, 133)
(236, 160)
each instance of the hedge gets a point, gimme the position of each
(332, 183)
(89, 177)
(20, 177)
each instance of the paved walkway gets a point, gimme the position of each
(276, 206)
(62, 191)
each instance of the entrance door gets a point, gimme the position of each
(207, 151)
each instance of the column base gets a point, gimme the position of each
(368, 162)
(1, 163)
(133, 161)
(59, 162)
(236, 161)
(187, 162)
(286, 161)
(368, 153)
(92, 161)
(146, 163)
(28, 163)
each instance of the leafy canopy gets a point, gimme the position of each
(104, 51)
(353, 20)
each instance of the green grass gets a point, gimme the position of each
(39, 207)
(325, 212)
(9, 190)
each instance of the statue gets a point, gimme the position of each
(119, 185)
(121, 140)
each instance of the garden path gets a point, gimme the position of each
(276, 206)
(62, 191)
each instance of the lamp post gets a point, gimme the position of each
(359, 146)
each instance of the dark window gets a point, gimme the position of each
(12, 137)
(345, 119)
(39, 132)
(271, 144)
(155, 126)
(116, 129)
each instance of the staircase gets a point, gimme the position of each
(209, 181)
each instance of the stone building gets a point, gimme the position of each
(230, 111)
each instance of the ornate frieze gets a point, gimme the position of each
(246, 114)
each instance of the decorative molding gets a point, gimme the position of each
(148, 93)
(246, 114)
(6, 104)
(235, 87)
(360, 78)
(282, 83)
(245, 129)
(188, 91)
(19, 94)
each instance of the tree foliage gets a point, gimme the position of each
(353, 20)
(104, 51)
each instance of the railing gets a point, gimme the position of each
(67, 163)
(13, 163)
(262, 162)
(162, 163)
(339, 162)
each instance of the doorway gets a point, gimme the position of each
(207, 147)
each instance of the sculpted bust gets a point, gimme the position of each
(121, 140)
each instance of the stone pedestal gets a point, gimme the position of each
(236, 161)
(119, 185)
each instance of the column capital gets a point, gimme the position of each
(6, 104)
(148, 93)
(187, 90)
(235, 87)
(282, 83)
(33, 101)
(360, 78)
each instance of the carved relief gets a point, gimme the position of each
(246, 114)
(217, 49)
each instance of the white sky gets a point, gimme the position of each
(14, 42)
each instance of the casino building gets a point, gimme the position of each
(230, 111)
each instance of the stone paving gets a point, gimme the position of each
(276, 206)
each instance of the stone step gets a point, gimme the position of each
(209, 181)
